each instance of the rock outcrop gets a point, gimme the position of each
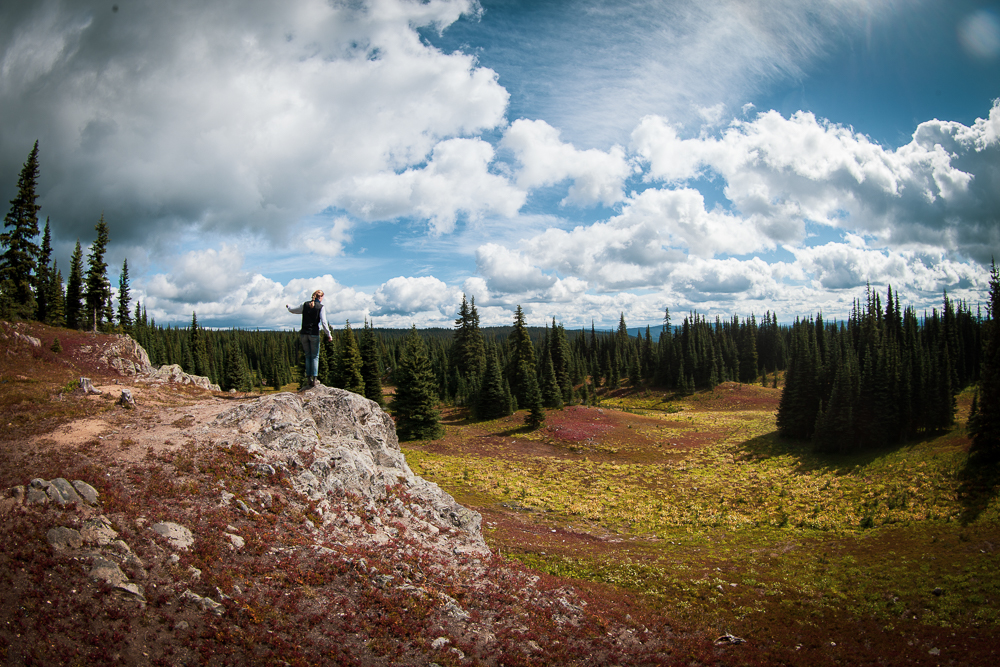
(334, 442)
(174, 373)
(125, 355)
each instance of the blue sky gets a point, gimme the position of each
(582, 159)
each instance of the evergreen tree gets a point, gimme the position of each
(43, 277)
(197, 353)
(468, 352)
(370, 364)
(124, 297)
(522, 358)
(55, 309)
(98, 289)
(20, 252)
(536, 413)
(551, 394)
(236, 375)
(74, 290)
(414, 403)
(351, 362)
(494, 399)
(986, 424)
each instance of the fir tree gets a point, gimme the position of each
(197, 355)
(551, 394)
(351, 362)
(522, 358)
(124, 297)
(414, 402)
(468, 352)
(236, 375)
(74, 289)
(986, 425)
(533, 400)
(370, 364)
(20, 252)
(55, 309)
(43, 277)
(98, 294)
(493, 400)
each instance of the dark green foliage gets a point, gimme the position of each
(533, 400)
(468, 351)
(18, 262)
(350, 362)
(74, 290)
(879, 379)
(236, 376)
(985, 426)
(124, 297)
(43, 277)
(551, 395)
(196, 355)
(494, 398)
(98, 289)
(414, 404)
(56, 345)
(371, 364)
(522, 358)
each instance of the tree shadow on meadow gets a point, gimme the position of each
(978, 484)
(810, 459)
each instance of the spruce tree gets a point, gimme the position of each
(468, 353)
(124, 297)
(522, 358)
(43, 276)
(986, 424)
(20, 252)
(351, 362)
(370, 364)
(493, 400)
(533, 400)
(55, 309)
(551, 394)
(236, 374)
(414, 404)
(74, 290)
(197, 349)
(98, 294)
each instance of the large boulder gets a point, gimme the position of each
(126, 356)
(332, 442)
(174, 373)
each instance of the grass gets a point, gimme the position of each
(716, 520)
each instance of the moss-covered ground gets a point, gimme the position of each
(889, 556)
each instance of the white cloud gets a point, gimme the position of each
(230, 118)
(407, 296)
(455, 180)
(328, 242)
(506, 271)
(543, 159)
(200, 276)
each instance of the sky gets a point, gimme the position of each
(582, 159)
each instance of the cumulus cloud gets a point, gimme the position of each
(455, 180)
(508, 271)
(781, 173)
(543, 159)
(225, 118)
(407, 296)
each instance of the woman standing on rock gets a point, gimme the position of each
(313, 317)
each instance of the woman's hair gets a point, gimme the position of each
(317, 293)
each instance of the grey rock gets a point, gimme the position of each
(177, 535)
(132, 588)
(36, 496)
(18, 493)
(108, 571)
(203, 603)
(86, 491)
(236, 541)
(332, 440)
(125, 356)
(98, 531)
(440, 643)
(174, 373)
(63, 538)
(126, 401)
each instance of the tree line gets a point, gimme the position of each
(882, 376)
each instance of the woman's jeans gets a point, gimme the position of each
(310, 345)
